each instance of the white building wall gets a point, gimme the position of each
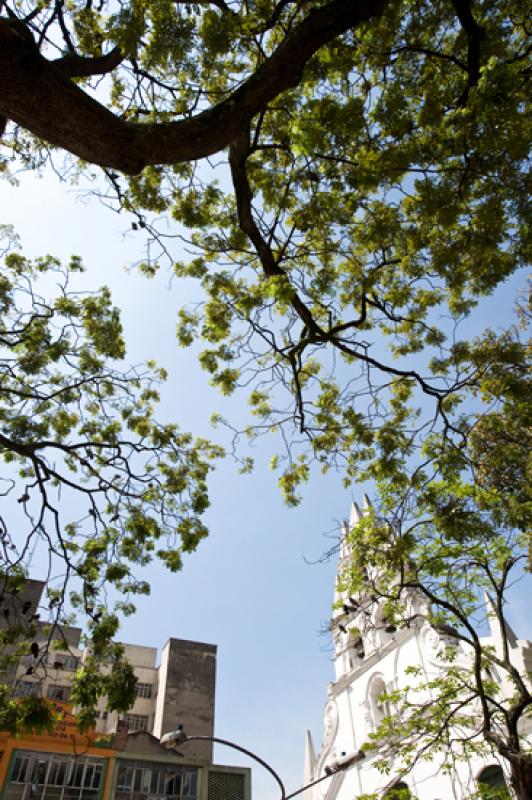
(351, 715)
(162, 680)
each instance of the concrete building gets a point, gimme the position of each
(178, 688)
(67, 765)
(122, 758)
(366, 667)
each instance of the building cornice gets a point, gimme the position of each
(398, 639)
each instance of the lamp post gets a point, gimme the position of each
(175, 738)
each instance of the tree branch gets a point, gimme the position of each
(475, 35)
(36, 95)
(73, 65)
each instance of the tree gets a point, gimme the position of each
(436, 555)
(376, 153)
(370, 192)
(480, 701)
(448, 535)
(95, 476)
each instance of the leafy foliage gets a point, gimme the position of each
(95, 476)
(378, 192)
(435, 560)
(371, 191)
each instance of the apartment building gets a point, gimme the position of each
(122, 758)
(175, 687)
(68, 765)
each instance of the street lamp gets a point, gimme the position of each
(178, 737)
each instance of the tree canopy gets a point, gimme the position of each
(447, 561)
(376, 154)
(93, 474)
(350, 180)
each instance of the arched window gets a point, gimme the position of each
(384, 622)
(399, 791)
(380, 707)
(492, 784)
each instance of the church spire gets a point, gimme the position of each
(310, 760)
(495, 627)
(356, 515)
(351, 612)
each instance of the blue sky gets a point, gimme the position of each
(250, 588)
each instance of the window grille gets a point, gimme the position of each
(144, 690)
(50, 775)
(27, 689)
(59, 692)
(136, 722)
(20, 769)
(139, 780)
(225, 786)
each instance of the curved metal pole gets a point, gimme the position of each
(242, 750)
(309, 785)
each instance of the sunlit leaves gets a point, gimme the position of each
(100, 481)
(379, 200)
(106, 672)
(431, 563)
(391, 195)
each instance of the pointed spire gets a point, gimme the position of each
(344, 544)
(495, 627)
(355, 516)
(310, 760)
(366, 503)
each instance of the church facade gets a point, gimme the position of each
(368, 666)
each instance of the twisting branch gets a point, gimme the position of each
(314, 334)
(475, 36)
(37, 95)
(73, 65)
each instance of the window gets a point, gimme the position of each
(144, 689)
(40, 767)
(58, 772)
(492, 784)
(105, 714)
(380, 707)
(27, 689)
(136, 722)
(20, 769)
(58, 692)
(63, 661)
(137, 780)
(50, 775)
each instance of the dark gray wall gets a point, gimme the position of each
(190, 689)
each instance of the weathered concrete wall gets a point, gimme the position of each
(17, 608)
(16, 612)
(189, 688)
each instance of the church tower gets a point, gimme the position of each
(371, 658)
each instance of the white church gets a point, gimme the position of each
(368, 666)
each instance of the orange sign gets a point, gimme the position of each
(66, 726)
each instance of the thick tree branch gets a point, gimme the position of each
(36, 95)
(314, 334)
(73, 65)
(475, 35)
